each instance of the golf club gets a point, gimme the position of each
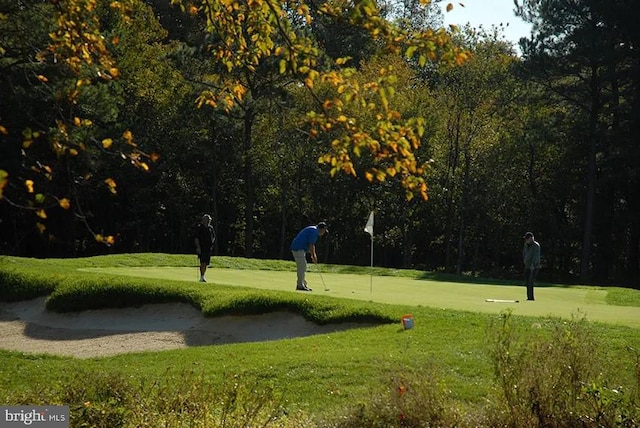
(322, 279)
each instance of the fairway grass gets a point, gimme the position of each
(325, 374)
(563, 302)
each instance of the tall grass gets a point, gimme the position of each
(111, 400)
(554, 379)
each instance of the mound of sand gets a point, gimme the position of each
(28, 327)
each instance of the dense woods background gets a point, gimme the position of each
(546, 140)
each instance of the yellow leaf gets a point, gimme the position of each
(111, 184)
(107, 142)
(3, 130)
(4, 175)
(26, 144)
(64, 203)
(29, 185)
(77, 121)
(41, 227)
(449, 7)
(42, 214)
(127, 135)
(42, 78)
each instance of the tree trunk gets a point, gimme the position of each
(283, 220)
(460, 247)
(248, 183)
(589, 210)
(633, 263)
(216, 218)
(408, 245)
(450, 184)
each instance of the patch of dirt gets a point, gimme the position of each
(28, 327)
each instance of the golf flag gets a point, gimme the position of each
(369, 227)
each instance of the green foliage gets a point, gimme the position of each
(416, 397)
(552, 378)
(506, 133)
(187, 399)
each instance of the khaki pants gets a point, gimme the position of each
(301, 266)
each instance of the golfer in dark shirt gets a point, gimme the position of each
(531, 258)
(205, 237)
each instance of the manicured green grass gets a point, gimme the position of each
(322, 374)
(564, 302)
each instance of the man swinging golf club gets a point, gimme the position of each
(303, 243)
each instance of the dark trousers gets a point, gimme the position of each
(529, 278)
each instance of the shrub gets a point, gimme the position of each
(551, 379)
(417, 398)
(111, 400)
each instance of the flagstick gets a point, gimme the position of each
(369, 229)
(371, 276)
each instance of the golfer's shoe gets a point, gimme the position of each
(303, 288)
(202, 279)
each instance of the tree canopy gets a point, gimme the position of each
(121, 122)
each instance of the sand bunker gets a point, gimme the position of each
(28, 327)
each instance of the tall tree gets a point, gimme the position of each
(584, 52)
(477, 99)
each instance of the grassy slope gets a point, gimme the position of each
(318, 373)
(551, 301)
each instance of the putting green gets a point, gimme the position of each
(563, 302)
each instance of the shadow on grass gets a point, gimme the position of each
(468, 279)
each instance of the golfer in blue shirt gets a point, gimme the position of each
(303, 243)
